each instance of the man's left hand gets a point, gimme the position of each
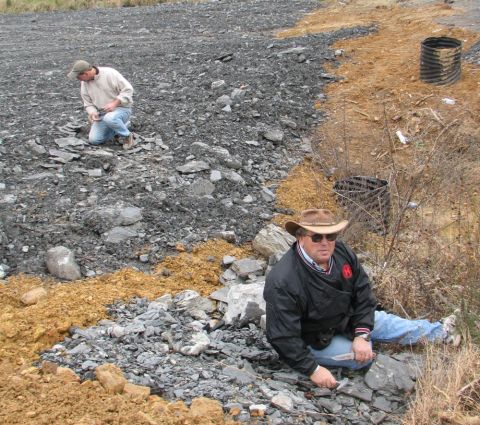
(111, 106)
(363, 350)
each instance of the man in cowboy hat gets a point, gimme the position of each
(320, 308)
(107, 98)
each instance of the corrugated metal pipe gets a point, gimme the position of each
(440, 60)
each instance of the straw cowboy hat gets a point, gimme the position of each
(316, 221)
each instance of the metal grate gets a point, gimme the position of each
(367, 200)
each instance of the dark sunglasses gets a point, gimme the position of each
(316, 237)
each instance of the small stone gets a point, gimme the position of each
(120, 234)
(228, 235)
(136, 391)
(234, 409)
(144, 419)
(67, 375)
(215, 176)
(33, 296)
(49, 367)
(227, 260)
(130, 215)
(61, 263)
(203, 407)
(111, 377)
(257, 410)
(217, 84)
(97, 172)
(283, 402)
(275, 136)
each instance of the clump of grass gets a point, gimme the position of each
(449, 389)
(20, 6)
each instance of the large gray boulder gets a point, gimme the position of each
(61, 263)
(272, 240)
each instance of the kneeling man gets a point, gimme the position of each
(107, 97)
(320, 305)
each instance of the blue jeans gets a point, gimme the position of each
(109, 125)
(388, 328)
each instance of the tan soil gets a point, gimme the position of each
(381, 88)
(380, 92)
(32, 398)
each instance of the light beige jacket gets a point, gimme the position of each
(107, 85)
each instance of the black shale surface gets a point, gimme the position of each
(223, 110)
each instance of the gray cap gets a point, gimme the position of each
(77, 68)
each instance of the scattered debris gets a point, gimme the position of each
(401, 137)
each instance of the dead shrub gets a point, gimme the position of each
(449, 389)
(425, 266)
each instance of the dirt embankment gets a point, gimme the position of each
(380, 93)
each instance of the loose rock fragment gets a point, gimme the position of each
(61, 263)
(33, 296)
(111, 377)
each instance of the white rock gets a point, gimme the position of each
(217, 84)
(200, 343)
(272, 240)
(283, 402)
(61, 263)
(238, 298)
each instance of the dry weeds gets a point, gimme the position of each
(425, 265)
(449, 390)
(428, 264)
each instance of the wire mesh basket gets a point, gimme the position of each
(367, 201)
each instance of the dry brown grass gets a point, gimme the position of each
(20, 6)
(426, 265)
(449, 390)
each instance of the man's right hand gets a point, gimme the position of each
(323, 378)
(93, 117)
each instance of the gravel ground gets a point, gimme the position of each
(249, 127)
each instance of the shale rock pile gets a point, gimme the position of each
(182, 351)
(222, 112)
(187, 346)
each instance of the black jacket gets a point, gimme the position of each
(307, 307)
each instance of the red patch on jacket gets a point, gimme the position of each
(347, 271)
